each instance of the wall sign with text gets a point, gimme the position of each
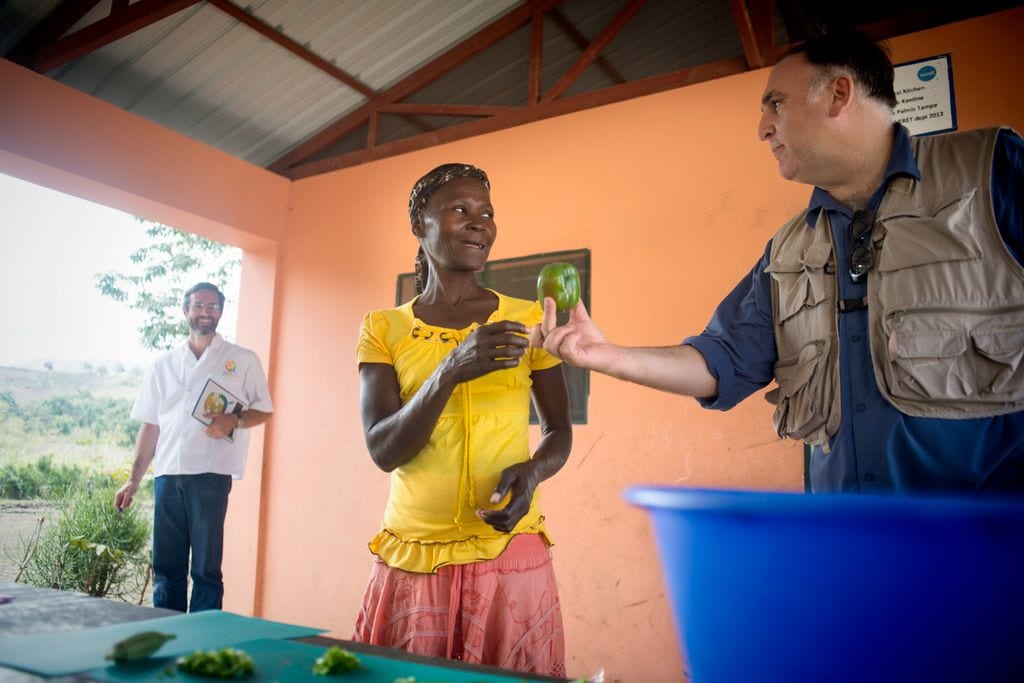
(924, 95)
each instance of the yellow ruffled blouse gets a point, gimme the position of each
(430, 520)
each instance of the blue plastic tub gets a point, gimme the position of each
(833, 588)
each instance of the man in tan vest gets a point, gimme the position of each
(890, 312)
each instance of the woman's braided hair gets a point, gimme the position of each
(421, 193)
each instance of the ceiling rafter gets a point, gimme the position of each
(593, 50)
(533, 82)
(446, 109)
(49, 45)
(755, 22)
(121, 22)
(295, 164)
(532, 12)
(478, 42)
(522, 115)
(53, 26)
(581, 42)
(306, 55)
(591, 53)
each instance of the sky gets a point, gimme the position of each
(52, 245)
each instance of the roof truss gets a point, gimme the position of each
(50, 45)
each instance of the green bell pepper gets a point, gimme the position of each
(561, 282)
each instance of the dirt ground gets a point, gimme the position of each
(19, 520)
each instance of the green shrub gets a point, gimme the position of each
(103, 416)
(92, 548)
(17, 481)
(43, 478)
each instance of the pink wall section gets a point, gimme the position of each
(672, 193)
(87, 137)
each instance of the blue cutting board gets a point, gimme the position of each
(291, 662)
(69, 652)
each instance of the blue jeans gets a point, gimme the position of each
(188, 513)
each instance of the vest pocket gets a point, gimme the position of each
(801, 281)
(801, 397)
(925, 235)
(930, 361)
(929, 364)
(999, 367)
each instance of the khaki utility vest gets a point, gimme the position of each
(945, 300)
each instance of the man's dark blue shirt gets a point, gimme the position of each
(877, 449)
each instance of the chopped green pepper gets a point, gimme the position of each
(227, 662)
(561, 282)
(336, 661)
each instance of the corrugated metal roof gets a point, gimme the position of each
(203, 73)
(18, 17)
(271, 81)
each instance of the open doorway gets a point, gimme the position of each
(72, 357)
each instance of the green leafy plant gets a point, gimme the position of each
(92, 548)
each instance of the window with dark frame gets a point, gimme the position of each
(517, 277)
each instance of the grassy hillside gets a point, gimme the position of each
(29, 385)
(79, 418)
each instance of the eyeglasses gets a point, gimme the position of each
(200, 306)
(862, 254)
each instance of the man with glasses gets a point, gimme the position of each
(890, 312)
(196, 405)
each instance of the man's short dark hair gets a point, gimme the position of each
(866, 59)
(198, 286)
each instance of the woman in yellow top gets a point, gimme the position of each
(463, 568)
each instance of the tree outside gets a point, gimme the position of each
(162, 271)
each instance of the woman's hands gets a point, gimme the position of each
(495, 346)
(519, 482)
(498, 346)
(396, 432)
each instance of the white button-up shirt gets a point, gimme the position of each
(169, 394)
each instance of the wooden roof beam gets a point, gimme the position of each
(520, 115)
(120, 23)
(446, 109)
(479, 41)
(755, 23)
(562, 22)
(533, 85)
(593, 50)
(54, 25)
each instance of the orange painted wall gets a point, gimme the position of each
(676, 198)
(673, 195)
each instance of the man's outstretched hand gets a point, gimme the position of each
(578, 342)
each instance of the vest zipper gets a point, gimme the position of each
(898, 314)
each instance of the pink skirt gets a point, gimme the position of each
(502, 612)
